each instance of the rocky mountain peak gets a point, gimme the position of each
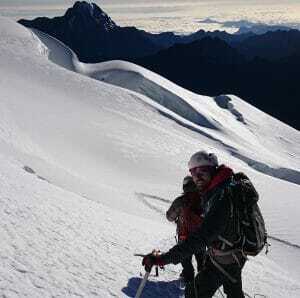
(87, 14)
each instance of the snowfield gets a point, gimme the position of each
(91, 157)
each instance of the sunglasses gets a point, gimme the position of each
(201, 171)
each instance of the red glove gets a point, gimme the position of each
(152, 259)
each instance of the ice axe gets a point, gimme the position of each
(155, 252)
(146, 276)
(156, 267)
(142, 285)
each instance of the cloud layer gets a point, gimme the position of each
(172, 15)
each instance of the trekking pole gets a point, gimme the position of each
(142, 285)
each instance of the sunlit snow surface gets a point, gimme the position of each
(88, 169)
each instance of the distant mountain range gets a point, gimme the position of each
(261, 68)
(261, 29)
(245, 26)
(94, 37)
(211, 67)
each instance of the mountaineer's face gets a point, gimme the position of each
(201, 176)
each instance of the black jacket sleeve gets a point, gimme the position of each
(214, 224)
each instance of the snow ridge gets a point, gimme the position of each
(168, 95)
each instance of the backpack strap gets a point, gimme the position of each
(213, 253)
(220, 268)
(230, 244)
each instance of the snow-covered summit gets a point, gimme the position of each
(89, 168)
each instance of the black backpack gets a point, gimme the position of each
(252, 230)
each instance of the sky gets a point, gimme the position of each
(170, 15)
(182, 17)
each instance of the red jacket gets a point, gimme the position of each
(186, 211)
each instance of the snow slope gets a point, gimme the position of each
(88, 169)
(186, 104)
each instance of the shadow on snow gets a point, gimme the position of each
(153, 288)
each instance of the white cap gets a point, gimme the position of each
(202, 158)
